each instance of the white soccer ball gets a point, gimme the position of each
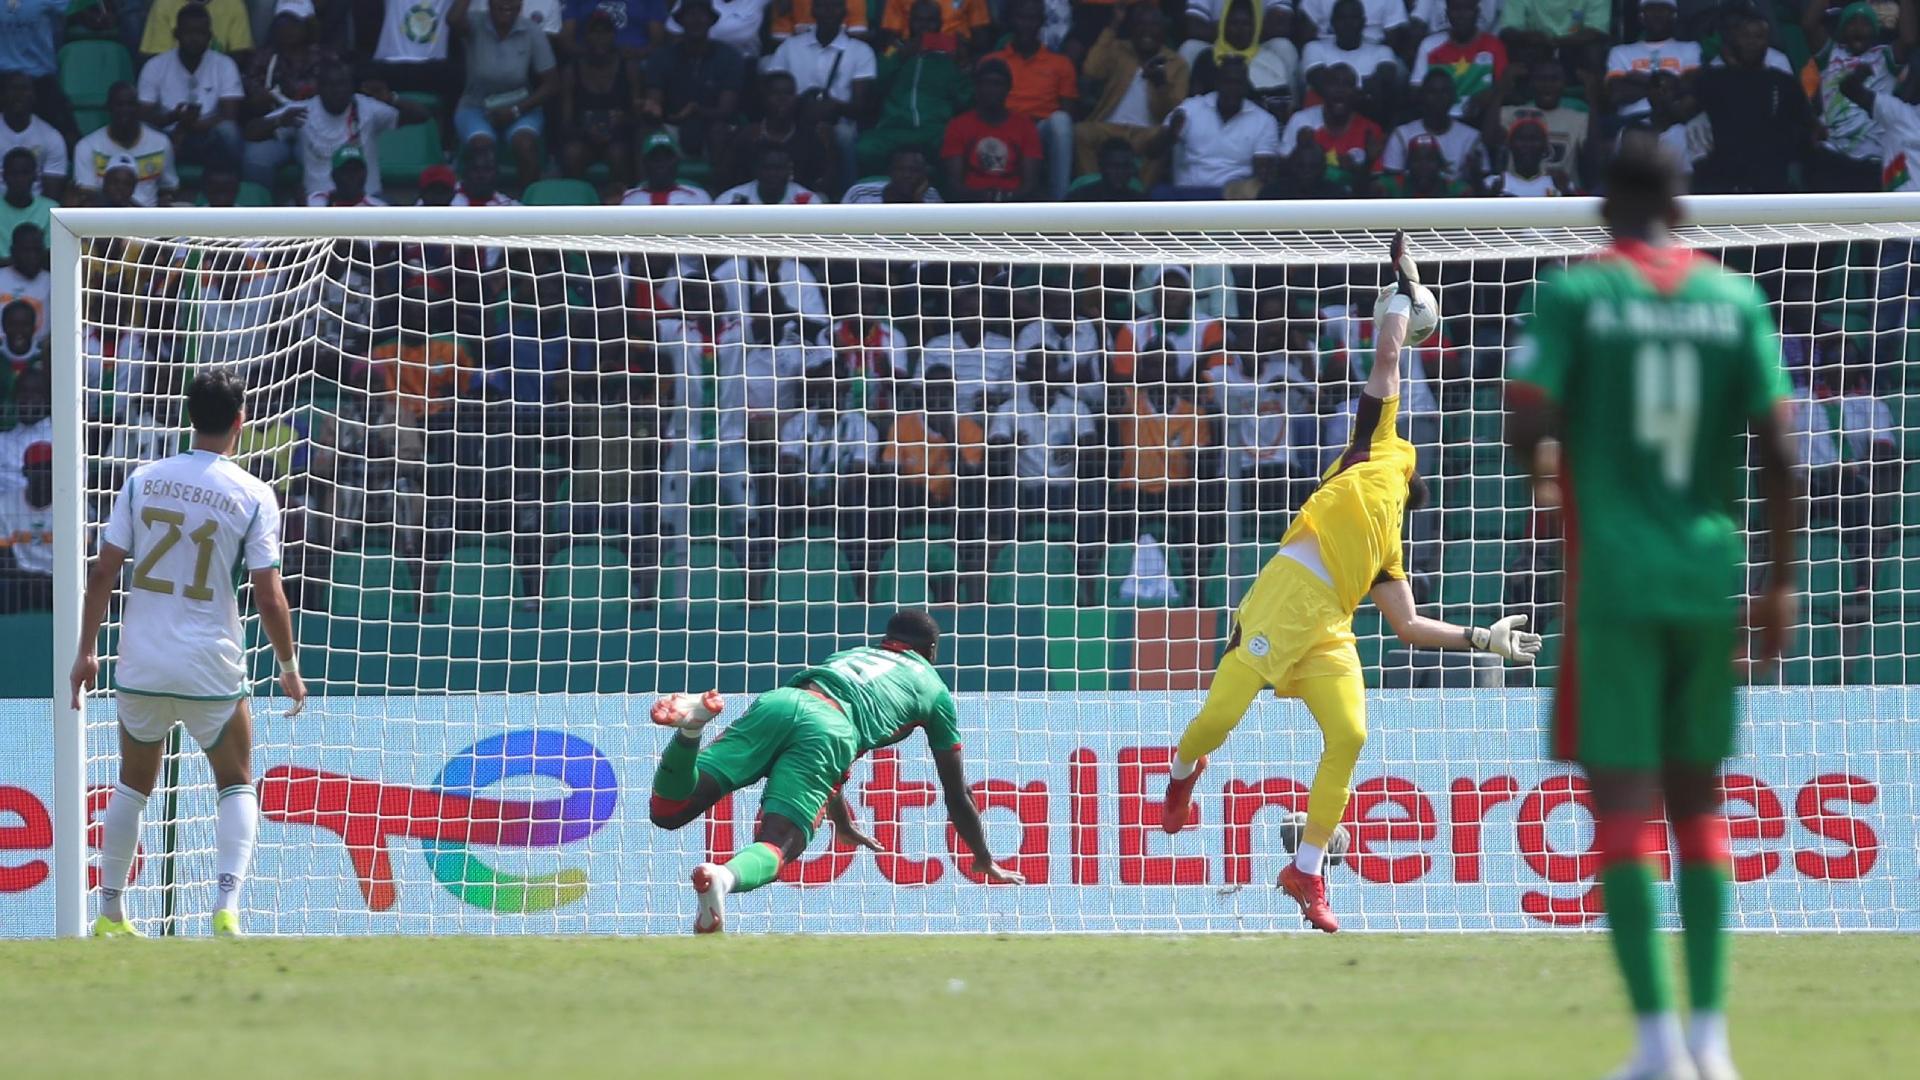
(1426, 315)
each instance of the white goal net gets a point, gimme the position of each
(538, 466)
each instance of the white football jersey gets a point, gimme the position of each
(189, 525)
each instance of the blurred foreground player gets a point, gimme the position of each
(802, 739)
(1294, 630)
(1648, 364)
(189, 523)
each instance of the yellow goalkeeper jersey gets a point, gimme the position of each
(1357, 512)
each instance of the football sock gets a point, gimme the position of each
(120, 835)
(1181, 768)
(1707, 1036)
(1702, 877)
(674, 779)
(1660, 1041)
(236, 820)
(1628, 888)
(753, 866)
(1308, 858)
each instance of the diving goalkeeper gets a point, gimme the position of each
(1294, 631)
(802, 739)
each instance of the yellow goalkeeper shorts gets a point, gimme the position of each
(1291, 627)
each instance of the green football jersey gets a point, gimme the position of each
(885, 693)
(1658, 362)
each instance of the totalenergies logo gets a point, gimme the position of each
(451, 818)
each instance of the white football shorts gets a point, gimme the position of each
(148, 718)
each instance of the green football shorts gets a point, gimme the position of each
(799, 744)
(1640, 693)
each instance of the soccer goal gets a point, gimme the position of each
(541, 464)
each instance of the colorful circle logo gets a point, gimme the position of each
(592, 792)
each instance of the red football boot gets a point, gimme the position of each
(1177, 809)
(1310, 891)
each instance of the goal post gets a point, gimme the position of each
(550, 461)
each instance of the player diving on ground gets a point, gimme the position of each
(1650, 365)
(1293, 632)
(190, 523)
(801, 739)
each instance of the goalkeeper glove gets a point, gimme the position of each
(1506, 639)
(1405, 271)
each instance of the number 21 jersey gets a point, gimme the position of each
(1658, 358)
(190, 524)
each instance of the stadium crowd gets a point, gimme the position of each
(565, 393)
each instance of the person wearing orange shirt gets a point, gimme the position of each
(968, 21)
(1046, 89)
(422, 373)
(797, 18)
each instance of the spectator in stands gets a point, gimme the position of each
(511, 75)
(1045, 425)
(1574, 30)
(125, 135)
(1221, 138)
(25, 276)
(1853, 461)
(29, 33)
(1305, 173)
(419, 373)
(660, 176)
(1426, 173)
(991, 154)
(599, 91)
(1526, 174)
(413, 45)
(1135, 81)
(1381, 74)
(1850, 158)
(1631, 66)
(1569, 130)
(774, 184)
(694, 81)
(21, 346)
(1384, 21)
(287, 69)
(193, 93)
(26, 530)
(1474, 58)
(480, 184)
(735, 24)
(1350, 143)
(1461, 154)
(908, 181)
(971, 351)
(921, 87)
(809, 148)
(834, 75)
(231, 26)
(1273, 64)
(797, 18)
(1730, 17)
(1154, 437)
(336, 116)
(1046, 90)
(1665, 120)
(1118, 179)
(32, 422)
(1758, 117)
(220, 185)
(639, 26)
(968, 22)
(21, 129)
(349, 181)
(19, 204)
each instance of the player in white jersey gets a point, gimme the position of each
(190, 523)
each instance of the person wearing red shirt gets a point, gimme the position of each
(1351, 142)
(991, 153)
(1476, 60)
(1045, 89)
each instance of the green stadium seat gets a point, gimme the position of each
(88, 121)
(1033, 573)
(809, 572)
(1089, 649)
(252, 194)
(407, 151)
(914, 573)
(481, 586)
(587, 586)
(708, 572)
(89, 68)
(561, 192)
(372, 587)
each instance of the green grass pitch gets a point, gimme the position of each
(1279, 1005)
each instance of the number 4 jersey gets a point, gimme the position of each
(190, 525)
(1658, 359)
(887, 694)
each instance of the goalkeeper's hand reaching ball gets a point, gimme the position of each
(1506, 639)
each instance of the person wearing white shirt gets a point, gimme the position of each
(1630, 67)
(20, 127)
(736, 23)
(26, 530)
(975, 355)
(833, 73)
(33, 423)
(1379, 67)
(334, 117)
(125, 136)
(193, 93)
(1221, 137)
(1382, 17)
(26, 277)
(772, 184)
(1460, 148)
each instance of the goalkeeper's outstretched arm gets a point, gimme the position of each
(1505, 638)
(966, 817)
(1390, 316)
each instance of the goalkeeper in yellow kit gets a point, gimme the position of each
(1294, 630)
